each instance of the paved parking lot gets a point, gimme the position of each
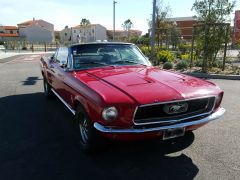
(37, 139)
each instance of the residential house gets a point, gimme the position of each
(37, 31)
(83, 34)
(65, 35)
(8, 33)
(121, 35)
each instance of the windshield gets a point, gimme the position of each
(96, 55)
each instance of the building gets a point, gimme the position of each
(185, 25)
(236, 28)
(37, 31)
(8, 33)
(121, 35)
(65, 35)
(78, 34)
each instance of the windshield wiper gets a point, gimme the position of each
(128, 61)
(94, 62)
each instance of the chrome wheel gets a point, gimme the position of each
(83, 126)
(85, 132)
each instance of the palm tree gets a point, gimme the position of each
(84, 23)
(127, 25)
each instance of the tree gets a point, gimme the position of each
(212, 30)
(127, 25)
(175, 36)
(84, 23)
(163, 12)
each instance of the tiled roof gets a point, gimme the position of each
(30, 22)
(26, 22)
(90, 25)
(9, 27)
(8, 35)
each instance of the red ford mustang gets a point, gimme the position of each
(114, 92)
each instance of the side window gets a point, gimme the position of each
(55, 55)
(62, 56)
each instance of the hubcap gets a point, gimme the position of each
(84, 130)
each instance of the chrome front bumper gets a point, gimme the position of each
(219, 113)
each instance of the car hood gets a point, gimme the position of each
(147, 85)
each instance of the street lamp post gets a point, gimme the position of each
(153, 29)
(114, 3)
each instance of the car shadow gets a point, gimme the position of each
(37, 142)
(30, 81)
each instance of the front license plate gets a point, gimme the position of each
(173, 133)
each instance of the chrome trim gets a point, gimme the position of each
(166, 102)
(176, 101)
(216, 115)
(64, 102)
(171, 121)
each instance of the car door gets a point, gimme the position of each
(58, 70)
(51, 70)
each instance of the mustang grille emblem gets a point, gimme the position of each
(175, 108)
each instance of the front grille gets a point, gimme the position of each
(151, 114)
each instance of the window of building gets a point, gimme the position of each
(65, 34)
(74, 31)
(11, 32)
(93, 31)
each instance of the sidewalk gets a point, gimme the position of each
(4, 55)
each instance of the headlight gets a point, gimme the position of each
(110, 113)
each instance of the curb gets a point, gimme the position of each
(214, 76)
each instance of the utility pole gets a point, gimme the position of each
(114, 3)
(71, 36)
(152, 43)
(234, 33)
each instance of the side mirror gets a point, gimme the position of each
(51, 59)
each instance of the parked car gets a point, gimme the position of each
(114, 92)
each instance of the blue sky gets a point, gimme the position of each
(70, 12)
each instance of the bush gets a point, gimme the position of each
(167, 65)
(178, 55)
(185, 57)
(181, 65)
(198, 63)
(184, 48)
(164, 56)
(217, 64)
(146, 50)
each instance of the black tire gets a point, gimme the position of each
(47, 89)
(85, 132)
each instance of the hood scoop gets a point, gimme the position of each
(133, 81)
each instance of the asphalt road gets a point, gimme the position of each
(37, 140)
